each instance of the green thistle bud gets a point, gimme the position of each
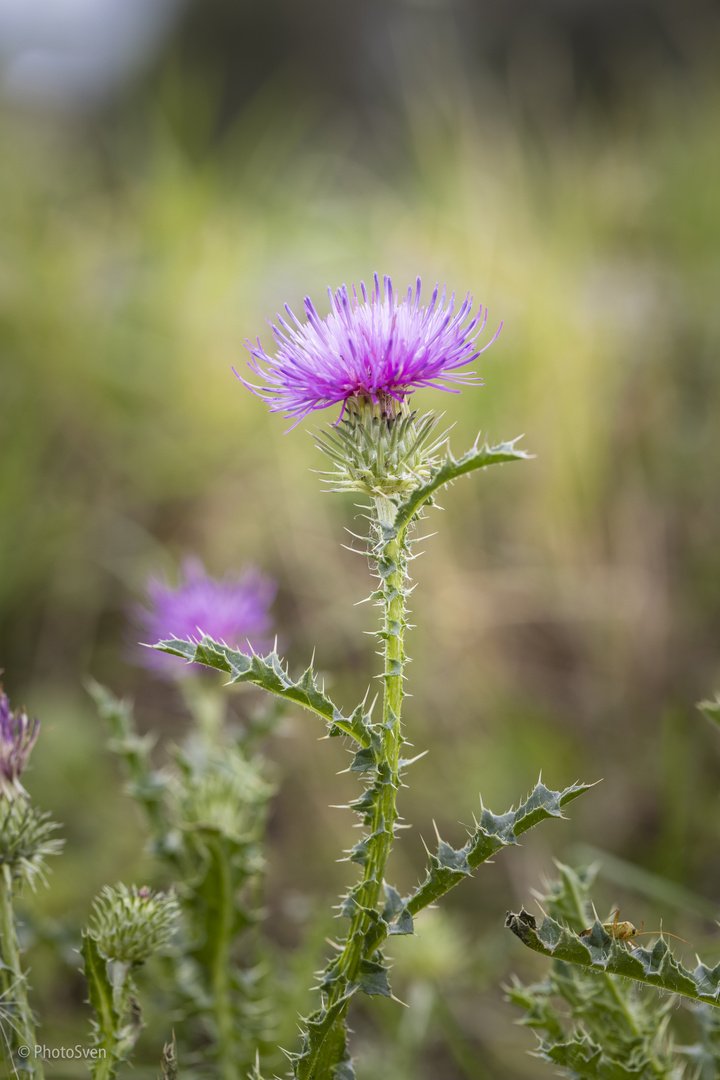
(225, 797)
(379, 453)
(130, 924)
(26, 839)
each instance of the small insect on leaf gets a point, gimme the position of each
(624, 931)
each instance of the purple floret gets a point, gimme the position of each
(17, 738)
(378, 347)
(233, 610)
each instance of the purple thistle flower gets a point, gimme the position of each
(17, 738)
(379, 348)
(233, 610)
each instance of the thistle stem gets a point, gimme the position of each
(14, 981)
(226, 1042)
(206, 705)
(392, 566)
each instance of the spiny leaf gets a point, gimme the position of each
(451, 469)
(318, 1039)
(492, 833)
(601, 952)
(395, 915)
(269, 673)
(583, 1057)
(372, 979)
(595, 1025)
(364, 760)
(450, 866)
(403, 925)
(100, 991)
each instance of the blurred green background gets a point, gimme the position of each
(563, 164)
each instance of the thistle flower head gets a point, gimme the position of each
(17, 738)
(374, 349)
(130, 924)
(233, 609)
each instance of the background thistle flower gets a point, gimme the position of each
(17, 738)
(130, 924)
(235, 607)
(375, 349)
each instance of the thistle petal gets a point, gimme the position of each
(379, 349)
(234, 609)
(18, 735)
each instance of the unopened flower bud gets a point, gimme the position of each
(130, 924)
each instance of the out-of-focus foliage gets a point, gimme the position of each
(576, 600)
(603, 1028)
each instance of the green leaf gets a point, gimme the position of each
(365, 760)
(600, 1028)
(117, 1017)
(372, 979)
(451, 469)
(585, 1058)
(100, 991)
(492, 833)
(403, 925)
(449, 866)
(395, 914)
(324, 1041)
(269, 673)
(600, 951)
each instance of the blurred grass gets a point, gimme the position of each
(569, 609)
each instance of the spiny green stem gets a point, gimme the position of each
(14, 981)
(107, 1063)
(385, 814)
(382, 828)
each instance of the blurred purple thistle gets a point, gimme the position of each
(233, 609)
(378, 348)
(17, 738)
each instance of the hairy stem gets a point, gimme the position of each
(14, 983)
